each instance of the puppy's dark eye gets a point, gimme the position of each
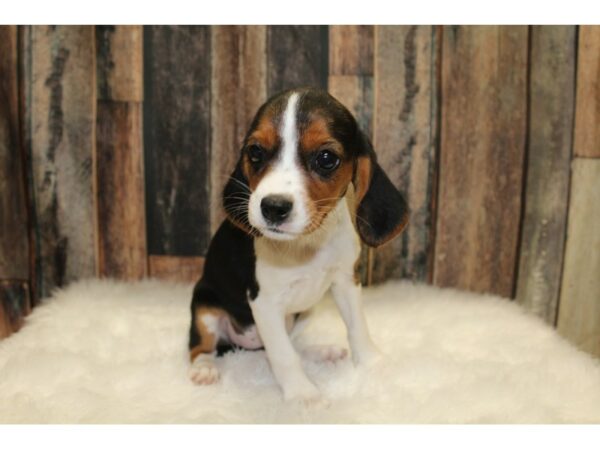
(325, 162)
(256, 154)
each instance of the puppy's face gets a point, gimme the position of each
(296, 165)
(302, 151)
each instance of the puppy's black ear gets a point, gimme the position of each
(236, 195)
(381, 212)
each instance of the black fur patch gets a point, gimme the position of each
(228, 278)
(236, 195)
(383, 211)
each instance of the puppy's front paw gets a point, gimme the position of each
(368, 358)
(204, 371)
(329, 353)
(306, 395)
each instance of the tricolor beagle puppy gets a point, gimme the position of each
(307, 185)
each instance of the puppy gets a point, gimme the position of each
(306, 187)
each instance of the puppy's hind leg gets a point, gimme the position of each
(204, 336)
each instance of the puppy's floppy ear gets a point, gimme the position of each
(382, 212)
(236, 195)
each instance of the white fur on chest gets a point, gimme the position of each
(293, 276)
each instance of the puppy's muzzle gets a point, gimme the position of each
(276, 208)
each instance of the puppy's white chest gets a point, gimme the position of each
(295, 289)
(308, 288)
(294, 279)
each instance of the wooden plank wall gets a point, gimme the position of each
(177, 85)
(116, 142)
(14, 239)
(60, 117)
(579, 307)
(405, 134)
(551, 97)
(119, 147)
(482, 149)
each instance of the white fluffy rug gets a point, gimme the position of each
(102, 351)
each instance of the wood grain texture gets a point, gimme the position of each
(120, 62)
(484, 94)
(552, 91)
(177, 87)
(60, 115)
(587, 115)
(121, 207)
(405, 121)
(14, 245)
(119, 161)
(238, 89)
(182, 269)
(351, 50)
(579, 310)
(296, 56)
(351, 82)
(356, 93)
(14, 305)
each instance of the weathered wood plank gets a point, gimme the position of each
(484, 92)
(351, 82)
(14, 305)
(296, 56)
(356, 93)
(119, 156)
(239, 87)
(121, 207)
(579, 310)
(587, 115)
(14, 245)
(60, 108)
(183, 269)
(405, 138)
(351, 50)
(552, 90)
(120, 62)
(177, 138)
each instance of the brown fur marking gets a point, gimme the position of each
(267, 137)
(265, 134)
(208, 340)
(323, 193)
(363, 178)
(357, 271)
(315, 135)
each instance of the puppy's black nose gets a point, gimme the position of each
(276, 208)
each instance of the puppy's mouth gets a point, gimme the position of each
(275, 232)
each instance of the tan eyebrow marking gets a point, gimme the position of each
(315, 135)
(265, 134)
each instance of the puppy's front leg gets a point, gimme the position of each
(282, 356)
(347, 296)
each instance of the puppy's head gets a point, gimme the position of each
(302, 151)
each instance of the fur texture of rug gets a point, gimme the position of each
(105, 351)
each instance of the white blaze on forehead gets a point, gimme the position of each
(285, 178)
(289, 135)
